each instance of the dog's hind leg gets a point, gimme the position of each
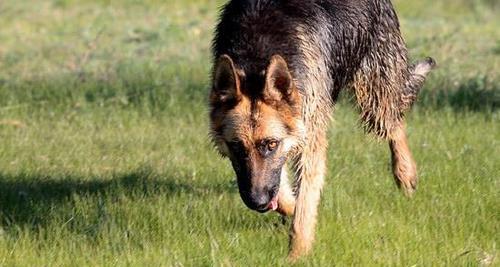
(286, 198)
(403, 165)
(384, 93)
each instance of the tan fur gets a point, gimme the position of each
(251, 124)
(403, 165)
(286, 197)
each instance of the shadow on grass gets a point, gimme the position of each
(135, 87)
(478, 94)
(27, 200)
(128, 86)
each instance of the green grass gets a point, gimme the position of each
(105, 158)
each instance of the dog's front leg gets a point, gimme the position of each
(310, 170)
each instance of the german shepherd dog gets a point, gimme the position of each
(279, 66)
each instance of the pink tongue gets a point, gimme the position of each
(273, 205)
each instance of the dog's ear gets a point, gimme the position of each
(226, 84)
(279, 82)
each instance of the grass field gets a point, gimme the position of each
(105, 158)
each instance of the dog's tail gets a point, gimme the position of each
(418, 74)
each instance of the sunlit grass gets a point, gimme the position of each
(105, 158)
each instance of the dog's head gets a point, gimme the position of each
(256, 122)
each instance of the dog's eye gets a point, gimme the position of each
(272, 145)
(267, 147)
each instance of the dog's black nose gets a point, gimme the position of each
(261, 200)
(262, 207)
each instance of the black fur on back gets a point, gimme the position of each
(251, 31)
(328, 45)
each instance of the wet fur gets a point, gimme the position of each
(328, 46)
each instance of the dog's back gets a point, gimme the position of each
(328, 45)
(342, 33)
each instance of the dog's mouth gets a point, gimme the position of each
(273, 204)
